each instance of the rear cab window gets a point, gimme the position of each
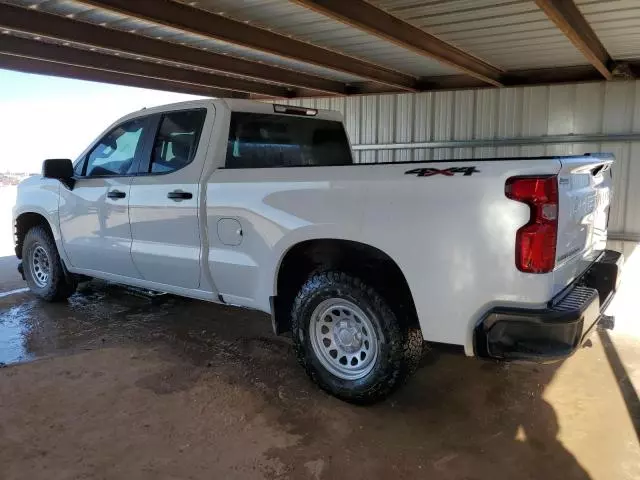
(258, 140)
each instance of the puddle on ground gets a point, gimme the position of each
(103, 314)
(13, 333)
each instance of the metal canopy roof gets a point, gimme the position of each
(302, 48)
(511, 35)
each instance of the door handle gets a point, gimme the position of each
(115, 194)
(178, 195)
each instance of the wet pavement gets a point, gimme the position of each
(128, 386)
(102, 314)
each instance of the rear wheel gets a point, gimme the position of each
(43, 268)
(348, 339)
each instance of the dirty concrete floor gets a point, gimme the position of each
(113, 385)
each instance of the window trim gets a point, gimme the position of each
(145, 164)
(137, 155)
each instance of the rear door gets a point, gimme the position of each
(584, 187)
(164, 201)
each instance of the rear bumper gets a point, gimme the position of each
(558, 330)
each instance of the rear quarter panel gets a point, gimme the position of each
(453, 236)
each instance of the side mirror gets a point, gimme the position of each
(60, 169)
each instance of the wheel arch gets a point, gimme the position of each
(24, 222)
(369, 263)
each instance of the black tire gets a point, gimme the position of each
(396, 346)
(414, 350)
(56, 287)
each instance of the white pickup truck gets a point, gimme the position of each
(261, 206)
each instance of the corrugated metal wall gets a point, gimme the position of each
(590, 108)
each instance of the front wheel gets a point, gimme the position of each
(43, 268)
(347, 338)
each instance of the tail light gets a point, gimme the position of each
(536, 241)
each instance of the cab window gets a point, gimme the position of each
(177, 140)
(116, 153)
(270, 141)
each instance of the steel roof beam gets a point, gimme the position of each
(42, 67)
(567, 17)
(516, 78)
(83, 58)
(367, 17)
(54, 26)
(189, 19)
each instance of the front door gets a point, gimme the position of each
(163, 205)
(94, 214)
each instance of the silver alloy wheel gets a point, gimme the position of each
(40, 266)
(343, 339)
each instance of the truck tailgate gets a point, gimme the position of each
(584, 188)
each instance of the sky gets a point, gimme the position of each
(51, 117)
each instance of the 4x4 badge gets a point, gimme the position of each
(447, 172)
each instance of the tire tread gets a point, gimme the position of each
(60, 287)
(384, 378)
